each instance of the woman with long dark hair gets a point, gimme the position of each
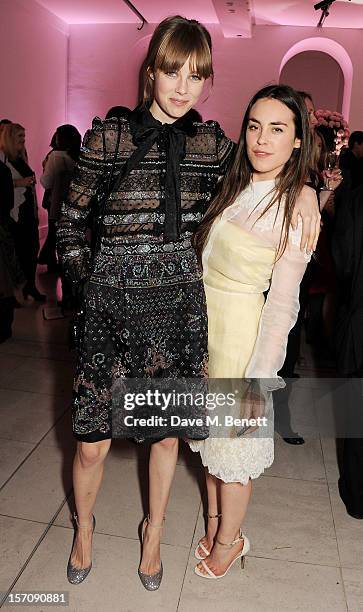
(247, 245)
(144, 304)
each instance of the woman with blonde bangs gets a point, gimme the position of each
(144, 303)
(25, 210)
(11, 276)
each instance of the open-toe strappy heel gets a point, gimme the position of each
(200, 544)
(76, 575)
(151, 582)
(210, 575)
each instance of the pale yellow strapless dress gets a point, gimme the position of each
(237, 270)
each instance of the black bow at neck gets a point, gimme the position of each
(145, 130)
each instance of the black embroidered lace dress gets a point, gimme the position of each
(144, 305)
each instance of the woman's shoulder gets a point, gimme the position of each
(111, 124)
(209, 127)
(212, 140)
(211, 135)
(104, 133)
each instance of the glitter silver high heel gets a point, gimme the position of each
(151, 582)
(77, 575)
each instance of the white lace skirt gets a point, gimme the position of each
(238, 459)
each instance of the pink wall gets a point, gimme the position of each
(103, 66)
(104, 60)
(307, 71)
(33, 74)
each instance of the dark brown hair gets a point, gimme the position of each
(289, 182)
(174, 41)
(319, 152)
(306, 94)
(69, 139)
(355, 137)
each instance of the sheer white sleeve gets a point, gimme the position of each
(279, 314)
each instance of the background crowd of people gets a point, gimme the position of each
(19, 214)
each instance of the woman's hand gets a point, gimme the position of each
(253, 407)
(28, 181)
(334, 177)
(308, 209)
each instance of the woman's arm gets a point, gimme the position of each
(27, 181)
(279, 313)
(72, 245)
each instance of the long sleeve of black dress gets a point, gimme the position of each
(90, 172)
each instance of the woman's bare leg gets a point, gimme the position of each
(87, 477)
(163, 457)
(234, 503)
(213, 489)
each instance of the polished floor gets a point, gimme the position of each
(306, 552)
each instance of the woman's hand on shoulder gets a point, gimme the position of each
(307, 208)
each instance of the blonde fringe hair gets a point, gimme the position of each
(8, 133)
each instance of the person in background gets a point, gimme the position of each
(11, 276)
(347, 243)
(351, 159)
(281, 396)
(310, 107)
(6, 180)
(47, 255)
(25, 210)
(12, 279)
(317, 167)
(18, 184)
(323, 283)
